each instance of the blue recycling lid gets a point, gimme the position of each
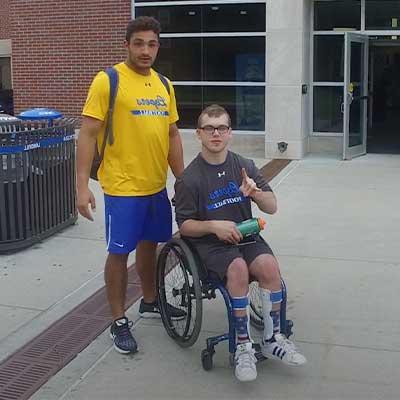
(40, 113)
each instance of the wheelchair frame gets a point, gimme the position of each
(196, 286)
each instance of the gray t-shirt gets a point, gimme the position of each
(211, 192)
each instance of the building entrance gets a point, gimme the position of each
(384, 108)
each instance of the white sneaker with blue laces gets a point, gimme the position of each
(282, 349)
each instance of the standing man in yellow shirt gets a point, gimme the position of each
(133, 171)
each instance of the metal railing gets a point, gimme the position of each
(37, 180)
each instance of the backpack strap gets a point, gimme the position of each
(164, 81)
(108, 131)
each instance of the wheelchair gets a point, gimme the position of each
(183, 282)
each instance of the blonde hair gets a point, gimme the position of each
(214, 110)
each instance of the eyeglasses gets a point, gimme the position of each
(209, 129)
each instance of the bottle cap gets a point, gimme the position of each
(261, 223)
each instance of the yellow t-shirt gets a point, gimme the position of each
(136, 163)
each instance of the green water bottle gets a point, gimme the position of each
(251, 226)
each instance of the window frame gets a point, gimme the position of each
(135, 5)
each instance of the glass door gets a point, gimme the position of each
(355, 95)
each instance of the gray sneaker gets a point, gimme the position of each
(152, 310)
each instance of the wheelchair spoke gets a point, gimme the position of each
(178, 284)
(179, 290)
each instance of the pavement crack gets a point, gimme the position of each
(82, 238)
(22, 307)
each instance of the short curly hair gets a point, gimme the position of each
(141, 24)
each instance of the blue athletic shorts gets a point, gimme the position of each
(132, 219)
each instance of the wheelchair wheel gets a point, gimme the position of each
(179, 285)
(256, 317)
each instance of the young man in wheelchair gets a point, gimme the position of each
(213, 194)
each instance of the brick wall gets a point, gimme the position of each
(58, 46)
(4, 19)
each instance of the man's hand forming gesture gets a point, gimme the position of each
(249, 187)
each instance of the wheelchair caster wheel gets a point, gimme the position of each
(207, 359)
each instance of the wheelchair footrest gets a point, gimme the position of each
(214, 340)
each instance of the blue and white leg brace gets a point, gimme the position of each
(271, 318)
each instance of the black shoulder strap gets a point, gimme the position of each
(108, 131)
(164, 81)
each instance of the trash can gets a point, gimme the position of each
(37, 177)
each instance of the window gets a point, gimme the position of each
(174, 18)
(337, 14)
(190, 103)
(234, 18)
(328, 116)
(328, 58)
(5, 73)
(234, 59)
(382, 14)
(246, 105)
(6, 93)
(208, 18)
(180, 59)
(220, 43)
(213, 59)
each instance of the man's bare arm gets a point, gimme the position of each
(175, 155)
(84, 157)
(266, 202)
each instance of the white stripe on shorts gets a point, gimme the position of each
(109, 232)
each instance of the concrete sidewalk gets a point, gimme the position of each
(336, 237)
